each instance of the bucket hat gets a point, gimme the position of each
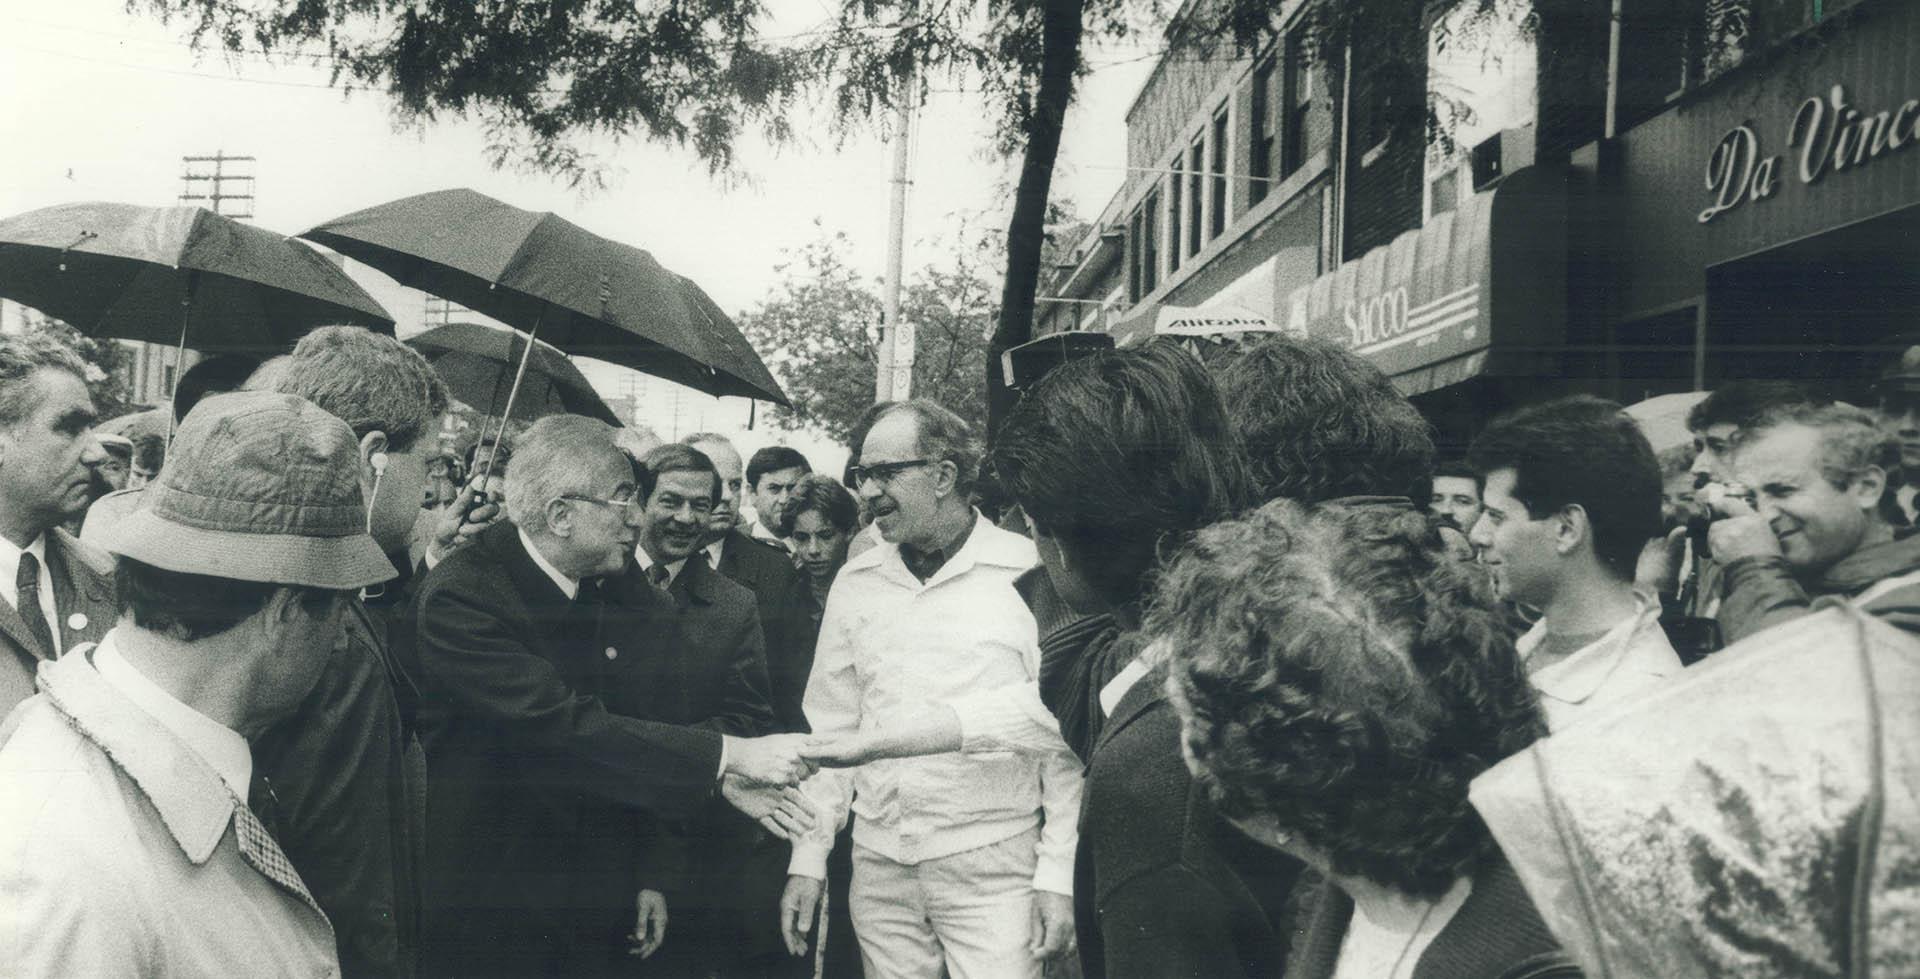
(260, 487)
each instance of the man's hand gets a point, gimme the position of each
(799, 903)
(1052, 925)
(649, 924)
(782, 811)
(1659, 567)
(1745, 536)
(772, 760)
(843, 751)
(460, 523)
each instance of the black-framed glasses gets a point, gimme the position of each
(885, 472)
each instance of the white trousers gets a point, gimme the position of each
(970, 913)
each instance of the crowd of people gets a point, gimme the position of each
(1199, 691)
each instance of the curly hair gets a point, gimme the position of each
(1852, 440)
(1120, 452)
(1337, 671)
(819, 494)
(23, 356)
(1320, 422)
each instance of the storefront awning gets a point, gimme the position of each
(1438, 304)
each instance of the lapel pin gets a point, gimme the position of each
(77, 621)
(612, 653)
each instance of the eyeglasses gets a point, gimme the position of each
(885, 472)
(622, 501)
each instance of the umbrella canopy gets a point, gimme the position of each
(537, 272)
(478, 363)
(142, 273)
(1663, 418)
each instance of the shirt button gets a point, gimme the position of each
(612, 653)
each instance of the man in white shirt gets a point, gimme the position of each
(47, 457)
(1571, 496)
(129, 843)
(962, 863)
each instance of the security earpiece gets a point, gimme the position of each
(378, 461)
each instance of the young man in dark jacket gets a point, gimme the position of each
(1818, 527)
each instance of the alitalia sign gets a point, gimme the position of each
(1827, 135)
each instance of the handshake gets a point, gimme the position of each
(762, 778)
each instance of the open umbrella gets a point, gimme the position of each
(539, 273)
(176, 275)
(1663, 418)
(478, 364)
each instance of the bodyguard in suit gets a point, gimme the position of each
(719, 873)
(58, 592)
(532, 779)
(768, 572)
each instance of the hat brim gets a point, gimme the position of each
(338, 563)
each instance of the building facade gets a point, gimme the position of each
(1623, 197)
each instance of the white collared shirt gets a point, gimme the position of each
(646, 562)
(568, 586)
(892, 647)
(10, 581)
(1123, 681)
(713, 554)
(220, 746)
(1633, 656)
(760, 532)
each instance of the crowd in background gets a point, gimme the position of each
(1189, 675)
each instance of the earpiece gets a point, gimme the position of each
(378, 461)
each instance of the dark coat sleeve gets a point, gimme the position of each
(335, 769)
(485, 667)
(1760, 593)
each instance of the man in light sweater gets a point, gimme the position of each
(962, 864)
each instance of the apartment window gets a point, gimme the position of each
(167, 374)
(1134, 245)
(1260, 133)
(1196, 191)
(1443, 192)
(1217, 221)
(1174, 210)
(1304, 127)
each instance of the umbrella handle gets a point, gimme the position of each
(180, 352)
(513, 392)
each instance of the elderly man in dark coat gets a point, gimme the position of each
(532, 778)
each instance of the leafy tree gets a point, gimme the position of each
(109, 363)
(545, 76)
(820, 327)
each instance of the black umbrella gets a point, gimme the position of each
(176, 275)
(539, 273)
(478, 364)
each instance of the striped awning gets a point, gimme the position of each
(1422, 307)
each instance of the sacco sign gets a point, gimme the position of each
(1829, 135)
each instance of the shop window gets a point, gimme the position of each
(1217, 217)
(1443, 192)
(1260, 133)
(1305, 128)
(1196, 192)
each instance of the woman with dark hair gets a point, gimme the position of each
(1340, 680)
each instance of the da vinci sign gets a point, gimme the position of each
(1827, 134)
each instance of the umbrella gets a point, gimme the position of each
(1663, 418)
(539, 273)
(176, 274)
(477, 362)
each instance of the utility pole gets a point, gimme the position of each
(895, 378)
(224, 185)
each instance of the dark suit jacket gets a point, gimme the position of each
(1496, 934)
(785, 623)
(531, 778)
(82, 577)
(711, 674)
(1164, 887)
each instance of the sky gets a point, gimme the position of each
(102, 104)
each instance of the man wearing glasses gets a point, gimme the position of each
(962, 863)
(534, 773)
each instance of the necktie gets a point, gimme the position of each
(27, 583)
(263, 854)
(658, 575)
